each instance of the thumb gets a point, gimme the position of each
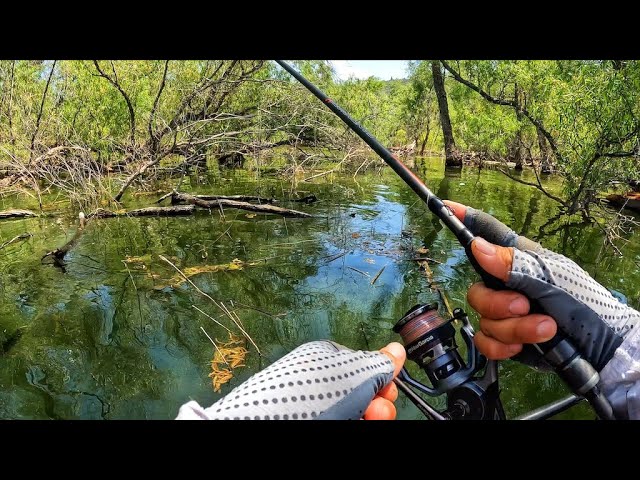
(492, 258)
(396, 352)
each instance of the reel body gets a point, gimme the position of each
(430, 342)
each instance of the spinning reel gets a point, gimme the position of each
(430, 342)
(471, 385)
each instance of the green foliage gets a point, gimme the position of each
(588, 109)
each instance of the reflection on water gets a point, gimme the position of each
(108, 339)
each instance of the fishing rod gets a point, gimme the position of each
(559, 352)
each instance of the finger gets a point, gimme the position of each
(533, 328)
(390, 392)
(496, 304)
(493, 349)
(492, 258)
(396, 352)
(380, 409)
(458, 209)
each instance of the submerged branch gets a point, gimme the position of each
(17, 238)
(58, 254)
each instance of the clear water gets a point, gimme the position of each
(105, 341)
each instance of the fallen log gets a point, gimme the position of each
(178, 198)
(17, 213)
(146, 212)
(241, 198)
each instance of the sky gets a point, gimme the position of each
(383, 69)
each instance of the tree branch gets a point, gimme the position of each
(44, 97)
(155, 105)
(116, 84)
(509, 103)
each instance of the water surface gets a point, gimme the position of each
(109, 340)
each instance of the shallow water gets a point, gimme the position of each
(108, 339)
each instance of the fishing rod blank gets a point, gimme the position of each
(558, 351)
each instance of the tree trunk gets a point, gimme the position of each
(451, 154)
(517, 157)
(426, 138)
(515, 150)
(545, 160)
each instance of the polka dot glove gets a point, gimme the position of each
(605, 331)
(318, 380)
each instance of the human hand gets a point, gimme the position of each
(584, 310)
(382, 406)
(317, 380)
(505, 322)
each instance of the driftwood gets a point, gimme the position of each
(178, 198)
(17, 213)
(22, 236)
(146, 212)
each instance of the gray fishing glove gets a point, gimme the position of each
(318, 380)
(604, 330)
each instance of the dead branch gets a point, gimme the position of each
(178, 198)
(146, 212)
(58, 254)
(143, 168)
(241, 198)
(17, 213)
(531, 184)
(152, 136)
(17, 238)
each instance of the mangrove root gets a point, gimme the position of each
(17, 213)
(178, 198)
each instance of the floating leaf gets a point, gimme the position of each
(355, 235)
(369, 260)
